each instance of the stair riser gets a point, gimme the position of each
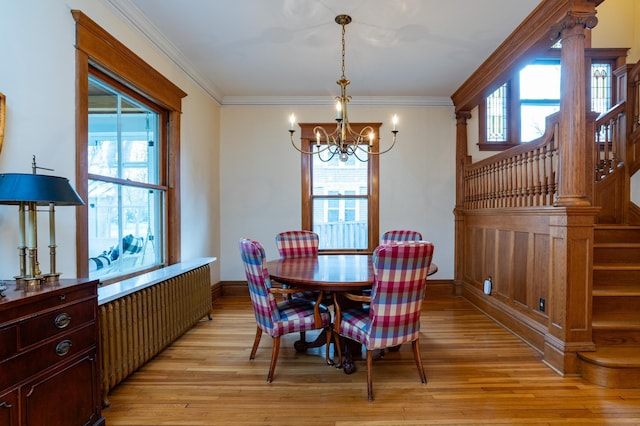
(616, 255)
(624, 235)
(628, 305)
(616, 337)
(603, 278)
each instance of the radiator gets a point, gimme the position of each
(136, 327)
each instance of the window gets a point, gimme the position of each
(526, 100)
(128, 139)
(601, 87)
(539, 97)
(126, 190)
(339, 199)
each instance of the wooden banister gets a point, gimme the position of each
(522, 176)
(610, 139)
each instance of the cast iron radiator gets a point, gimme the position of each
(136, 327)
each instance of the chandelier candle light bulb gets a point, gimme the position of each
(343, 140)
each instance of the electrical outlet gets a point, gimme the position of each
(542, 304)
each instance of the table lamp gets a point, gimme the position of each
(28, 191)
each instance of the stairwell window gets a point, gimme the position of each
(539, 97)
(533, 93)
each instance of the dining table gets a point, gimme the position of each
(328, 274)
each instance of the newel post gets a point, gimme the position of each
(572, 185)
(571, 228)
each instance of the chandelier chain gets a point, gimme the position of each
(343, 50)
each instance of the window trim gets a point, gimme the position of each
(97, 48)
(308, 139)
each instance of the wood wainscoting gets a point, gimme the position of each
(539, 260)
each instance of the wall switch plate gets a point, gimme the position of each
(542, 304)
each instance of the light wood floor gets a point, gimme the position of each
(478, 373)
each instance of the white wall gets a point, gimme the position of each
(618, 26)
(260, 176)
(38, 78)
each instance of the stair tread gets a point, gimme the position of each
(614, 356)
(614, 245)
(617, 266)
(621, 321)
(602, 226)
(616, 290)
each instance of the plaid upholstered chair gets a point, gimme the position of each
(392, 316)
(300, 243)
(394, 236)
(400, 235)
(273, 317)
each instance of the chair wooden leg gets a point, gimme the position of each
(256, 342)
(416, 355)
(274, 358)
(338, 346)
(369, 375)
(329, 333)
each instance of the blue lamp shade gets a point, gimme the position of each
(16, 188)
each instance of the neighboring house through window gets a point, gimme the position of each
(340, 198)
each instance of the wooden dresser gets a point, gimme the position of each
(48, 355)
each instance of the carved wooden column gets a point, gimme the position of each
(573, 104)
(462, 158)
(571, 228)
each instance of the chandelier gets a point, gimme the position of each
(343, 140)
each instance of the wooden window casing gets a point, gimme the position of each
(96, 48)
(308, 140)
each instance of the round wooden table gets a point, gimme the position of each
(328, 273)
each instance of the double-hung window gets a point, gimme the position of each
(126, 181)
(340, 198)
(128, 167)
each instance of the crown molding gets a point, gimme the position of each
(137, 21)
(369, 101)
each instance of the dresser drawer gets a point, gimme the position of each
(8, 341)
(47, 355)
(55, 322)
(45, 298)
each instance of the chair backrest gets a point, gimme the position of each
(297, 243)
(400, 273)
(400, 235)
(264, 303)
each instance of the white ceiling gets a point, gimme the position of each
(291, 48)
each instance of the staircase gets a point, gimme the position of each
(616, 308)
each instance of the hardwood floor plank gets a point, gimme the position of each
(478, 374)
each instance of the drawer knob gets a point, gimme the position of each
(63, 347)
(63, 320)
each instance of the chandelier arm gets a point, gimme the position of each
(302, 151)
(395, 132)
(358, 137)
